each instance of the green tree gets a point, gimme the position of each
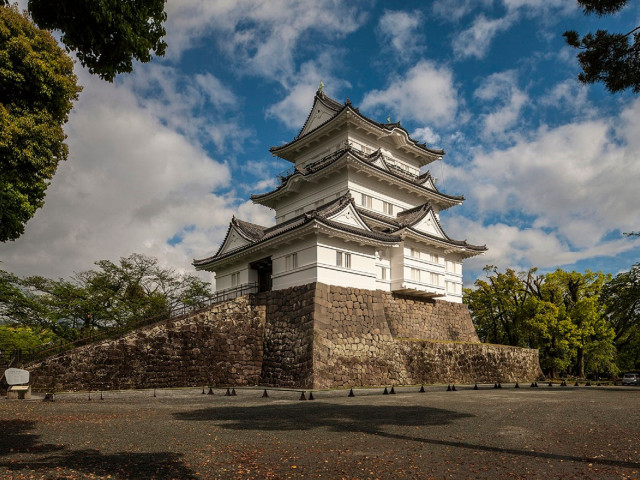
(107, 35)
(20, 337)
(113, 295)
(621, 297)
(608, 57)
(501, 306)
(559, 313)
(37, 88)
(576, 296)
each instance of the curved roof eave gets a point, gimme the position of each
(387, 129)
(452, 199)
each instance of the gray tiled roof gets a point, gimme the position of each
(330, 159)
(338, 108)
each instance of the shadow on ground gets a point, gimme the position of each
(16, 439)
(365, 419)
(307, 416)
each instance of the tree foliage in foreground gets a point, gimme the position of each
(611, 58)
(107, 35)
(561, 313)
(37, 88)
(112, 295)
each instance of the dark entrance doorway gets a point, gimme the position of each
(264, 269)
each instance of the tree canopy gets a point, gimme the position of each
(563, 314)
(37, 88)
(611, 58)
(107, 35)
(112, 295)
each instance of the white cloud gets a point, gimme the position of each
(454, 10)
(426, 134)
(178, 102)
(522, 248)
(259, 37)
(131, 183)
(569, 96)
(293, 109)
(475, 40)
(570, 186)
(402, 32)
(425, 94)
(506, 99)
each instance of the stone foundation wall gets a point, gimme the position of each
(361, 338)
(312, 336)
(414, 317)
(288, 337)
(221, 346)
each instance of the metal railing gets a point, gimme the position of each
(54, 348)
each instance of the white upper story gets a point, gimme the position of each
(353, 210)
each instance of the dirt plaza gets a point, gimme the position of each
(545, 432)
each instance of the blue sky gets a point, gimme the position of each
(161, 159)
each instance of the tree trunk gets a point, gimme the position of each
(580, 363)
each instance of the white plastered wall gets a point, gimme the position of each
(361, 274)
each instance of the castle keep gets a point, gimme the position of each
(354, 210)
(356, 284)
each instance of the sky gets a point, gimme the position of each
(162, 158)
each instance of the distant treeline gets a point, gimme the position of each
(582, 323)
(36, 310)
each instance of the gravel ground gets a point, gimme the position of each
(548, 432)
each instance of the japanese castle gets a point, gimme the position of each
(354, 211)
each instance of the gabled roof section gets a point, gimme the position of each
(240, 234)
(399, 135)
(326, 217)
(421, 222)
(323, 110)
(375, 160)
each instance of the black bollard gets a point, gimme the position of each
(386, 392)
(532, 385)
(495, 385)
(351, 393)
(588, 384)
(154, 393)
(576, 384)
(48, 397)
(210, 391)
(550, 384)
(265, 394)
(311, 396)
(475, 387)
(453, 388)
(517, 385)
(535, 384)
(421, 389)
(233, 392)
(228, 394)
(448, 388)
(203, 392)
(392, 392)
(499, 385)
(302, 396)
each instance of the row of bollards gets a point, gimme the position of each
(231, 392)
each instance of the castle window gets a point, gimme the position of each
(384, 273)
(235, 279)
(343, 259)
(366, 200)
(415, 274)
(291, 261)
(387, 208)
